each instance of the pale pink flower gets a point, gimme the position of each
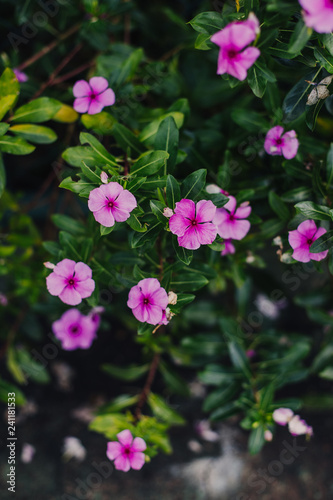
(234, 58)
(301, 240)
(279, 144)
(268, 435)
(127, 452)
(282, 415)
(27, 453)
(111, 203)
(318, 14)
(73, 448)
(298, 426)
(228, 248)
(21, 77)
(104, 177)
(230, 222)
(192, 223)
(71, 281)
(74, 330)
(148, 301)
(168, 212)
(92, 97)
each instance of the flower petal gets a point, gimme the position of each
(149, 285)
(126, 201)
(178, 224)
(82, 271)
(243, 212)
(70, 296)
(297, 239)
(81, 89)
(206, 233)
(107, 98)
(104, 216)
(65, 268)
(318, 256)
(230, 205)
(189, 239)
(98, 84)
(95, 106)
(125, 437)
(301, 254)
(96, 200)
(308, 228)
(159, 298)
(205, 211)
(154, 314)
(55, 284)
(137, 460)
(134, 297)
(290, 145)
(81, 104)
(186, 208)
(138, 444)
(85, 288)
(122, 463)
(114, 449)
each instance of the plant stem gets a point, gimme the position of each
(45, 50)
(74, 72)
(147, 387)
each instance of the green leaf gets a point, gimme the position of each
(119, 403)
(323, 243)
(39, 110)
(130, 67)
(172, 191)
(128, 373)
(256, 440)
(220, 396)
(105, 230)
(70, 244)
(99, 149)
(157, 208)
(6, 103)
(126, 139)
(15, 146)
(201, 42)
(313, 211)
(194, 184)
(329, 165)
(2, 176)
(257, 81)
(68, 224)
(101, 123)
(173, 380)
(9, 84)
(299, 37)
(81, 188)
(323, 358)
(225, 411)
(75, 156)
(249, 120)
(312, 113)
(6, 387)
(324, 59)
(139, 239)
(3, 128)
(188, 282)
(34, 133)
(167, 139)
(148, 134)
(90, 174)
(239, 359)
(149, 163)
(162, 411)
(134, 222)
(294, 103)
(278, 206)
(207, 23)
(110, 425)
(182, 253)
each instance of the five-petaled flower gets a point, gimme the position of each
(229, 248)
(20, 75)
(318, 14)
(230, 222)
(234, 58)
(92, 97)
(192, 223)
(148, 301)
(127, 452)
(279, 144)
(301, 240)
(74, 330)
(111, 202)
(71, 281)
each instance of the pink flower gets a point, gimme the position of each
(318, 14)
(250, 353)
(268, 435)
(21, 77)
(71, 282)
(127, 453)
(228, 248)
(192, 223)
(302, 238)
(297, 427)
(111, 202)
(277, 143)
(74, 330)
(93, 96)
(282, 415)
(148, 301)
(229, 221)
(232, 40)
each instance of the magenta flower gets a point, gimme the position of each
(21, 77)
(228, 248)
(192, 223)
(74, 330)
(111, 202)
(71, 282)
(230, 222)
(92, 97)
(282, 415)
(318, 14)
(148, 301)
(301, 240)
(278, 143)
(127, 452)
(232, 40)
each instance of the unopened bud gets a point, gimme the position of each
(172, 296)
(49, 265)
(104, 177)
(168, 212)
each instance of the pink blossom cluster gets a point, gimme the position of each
(127, 452)
(235, 55)
(296, 426)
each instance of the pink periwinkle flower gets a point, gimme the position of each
(92, 97)
(111, 203)
(228, 248)
(74, 330)
(230, 221)
(192, 223)
(21, 77)
(127, 452)
(232, 40)
(301, 240)
(148, 301)
(282, 415)
(268, 435)
(71, 281)
(279, 144)
(318, 14)
(298, 426)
